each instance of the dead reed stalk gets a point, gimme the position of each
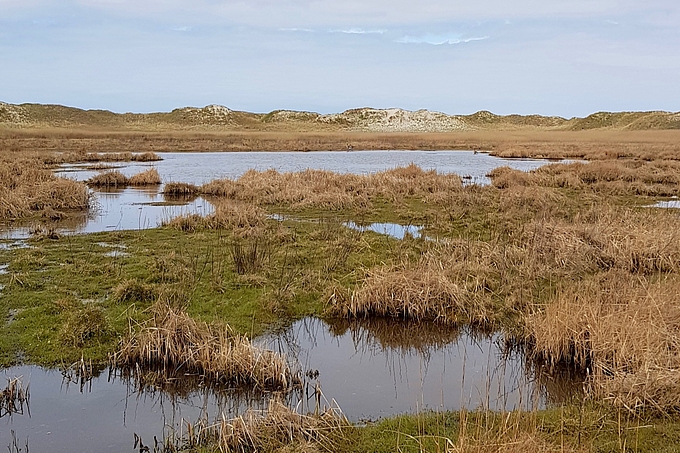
(14, 397)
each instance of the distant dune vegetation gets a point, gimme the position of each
(220, 118)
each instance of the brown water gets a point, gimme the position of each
(371, 370)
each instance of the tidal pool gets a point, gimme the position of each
(369, 369)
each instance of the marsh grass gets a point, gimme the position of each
(29, 187)
(277, 428)
(150, 177)
(180, 189)
(173, 341)
(84, 324)
(622, 332)
(112, 178)
(331, 191)
(115, 179)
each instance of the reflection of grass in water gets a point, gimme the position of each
(399, 335)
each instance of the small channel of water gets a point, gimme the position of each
(371, 369)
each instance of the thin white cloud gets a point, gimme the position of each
(437, 40)
(293, 29)
(182, 29)
(359, 31)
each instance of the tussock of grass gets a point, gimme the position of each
(134, 291)
(146, 178)
(29, 187)
(180, 189)
(622, 331)
(112, 178)
(84, 324)
(274, 429)
(172, 341)
(417, 293)
(332, 191)
(241, 217)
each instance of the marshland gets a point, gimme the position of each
(248, 301)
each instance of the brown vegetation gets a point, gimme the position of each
(28, 187)
(173, 342)
(149, 177)
(276, 428)
(114, 178)
(332, 191)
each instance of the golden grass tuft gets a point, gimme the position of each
(332, 191)
(84, 324)
(623, 332)
(180, 189)
(416, 293)
(275, 429)
(27, 190)
(112, 178)
(173, 342)
(146, 178)
(134, 291)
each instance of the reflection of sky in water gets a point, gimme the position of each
(389, 229)
(136, 209)
(671, 204)
(369, 379)
(200, 168)
(104, 416)
(366, 378)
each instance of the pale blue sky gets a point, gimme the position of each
(552, 57)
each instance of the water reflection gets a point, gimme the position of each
(370, 368)
(378, 368)
(390, 229)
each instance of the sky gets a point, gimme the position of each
(549, 57)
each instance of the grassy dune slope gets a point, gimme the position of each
(220, 118)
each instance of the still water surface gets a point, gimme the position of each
(370, 370)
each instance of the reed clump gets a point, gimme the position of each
(27, 187)
(81, 157)
(622, 332)
(239, 217)
(658, 178)
(180, 189)
(172, 342)
(411, 293)
(150, 177)
(332, 191)
(273, 429)
(112, 178)
(115, 178)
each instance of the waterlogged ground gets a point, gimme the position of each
(369, 370)
(142, 208)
